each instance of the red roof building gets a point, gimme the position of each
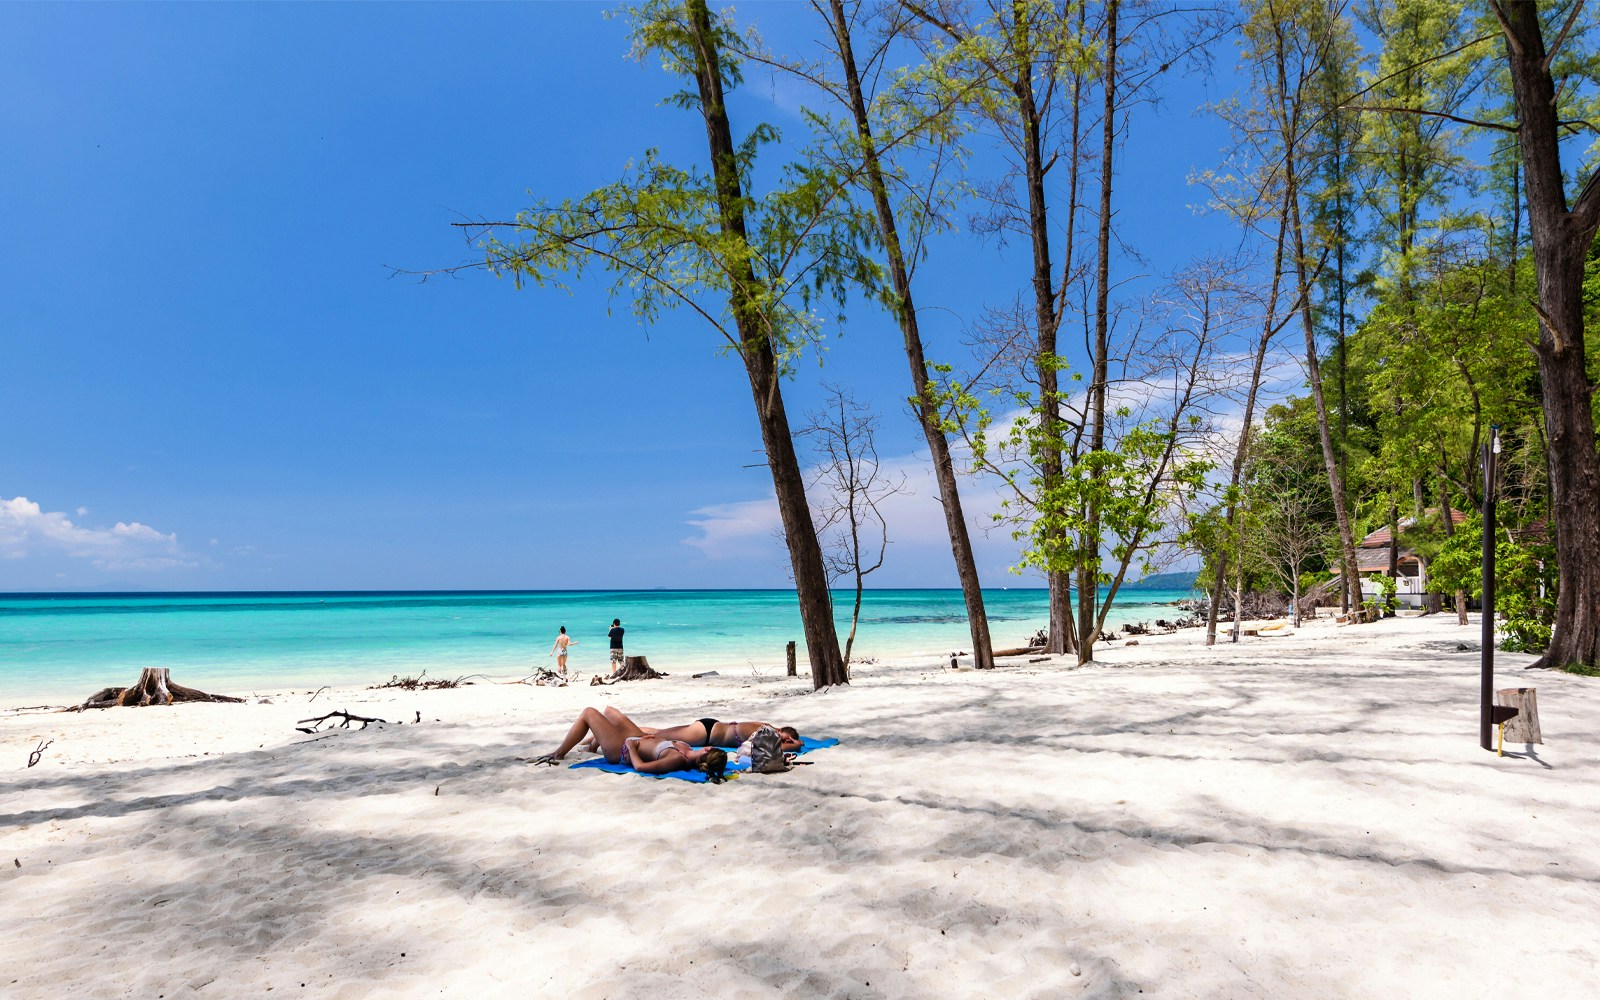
(1411, 577)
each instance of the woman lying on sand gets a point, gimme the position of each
(702, 732)
(622, 742)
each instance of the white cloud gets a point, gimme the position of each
(26, 529)
(732, 530)
(918, 537)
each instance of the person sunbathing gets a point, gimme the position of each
(622, 742)
(705, 732)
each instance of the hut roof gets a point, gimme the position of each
(1380, 539)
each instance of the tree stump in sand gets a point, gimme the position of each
(637, 668)
(154, 687)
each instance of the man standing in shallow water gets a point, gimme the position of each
(616, 646)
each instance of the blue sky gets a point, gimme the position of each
(212, 379)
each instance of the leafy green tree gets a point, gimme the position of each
(1036, 63)
(1290, 515)
(1563, 233)
(897, 143)
(750, 267)
(1524, 581)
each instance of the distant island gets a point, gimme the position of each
(1182, 580)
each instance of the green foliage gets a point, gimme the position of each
(1457, 563)
(1524, 587)
(661, 234)
(1383, 602)
(1127, 491)
(1520, 573)
(1125, 497)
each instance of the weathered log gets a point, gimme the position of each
(154, 687)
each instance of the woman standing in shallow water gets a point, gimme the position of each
(559, 651)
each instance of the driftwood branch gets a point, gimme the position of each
(347, 718)
(418, 683)
(33, 758)
(544, 677)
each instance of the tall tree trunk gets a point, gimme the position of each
(1450, 532)
(1343, 295)
(1269, 328)
(1291, 130)
(1063, 636)
(1089, 594)
(906, 315)
(1238, 602)
(756, 349)
(1394, 546)
(1561, 240)
(1219, 581)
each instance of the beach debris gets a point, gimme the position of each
(1133, 642)
(704, 673)
(1039, 659)
(154, 687)
(417, 683)
(33, 758)
(317, 692)
(347, 718)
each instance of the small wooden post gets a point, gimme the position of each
(1517, 711)
(789, 653)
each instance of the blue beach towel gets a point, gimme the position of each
(807, 744)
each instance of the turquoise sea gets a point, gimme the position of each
(63, 647)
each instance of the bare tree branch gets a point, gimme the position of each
(1432, 114)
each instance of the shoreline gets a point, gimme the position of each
(1303, 815)
(232, 645)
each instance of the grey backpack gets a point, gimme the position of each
(766, 752)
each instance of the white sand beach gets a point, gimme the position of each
(1300, 816)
